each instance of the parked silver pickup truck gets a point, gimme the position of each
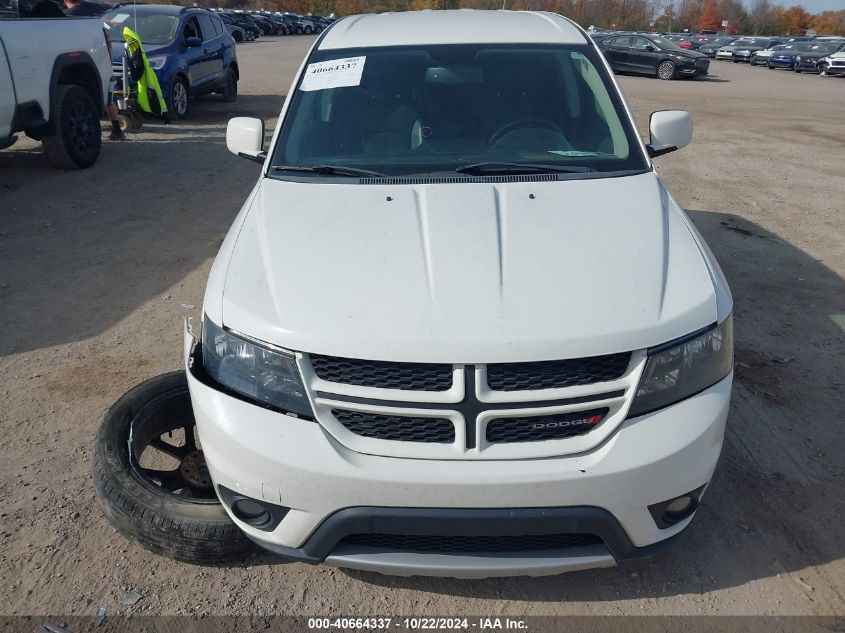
(54, 81)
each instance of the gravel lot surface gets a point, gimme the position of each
(98, 268)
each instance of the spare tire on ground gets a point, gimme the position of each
(150, 477)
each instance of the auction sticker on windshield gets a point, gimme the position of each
(337, 73)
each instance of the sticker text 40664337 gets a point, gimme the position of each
(336, 73)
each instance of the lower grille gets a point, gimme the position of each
(543, 427)
(425, 543)
(398, 428)
(554, 374)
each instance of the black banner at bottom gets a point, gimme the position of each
(401, 624)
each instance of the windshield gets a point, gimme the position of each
(151, 28)
(666, 45)
(433, 109)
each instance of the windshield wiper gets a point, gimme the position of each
(481, 169)
(330, 170)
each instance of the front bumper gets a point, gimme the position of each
(781, 63)
(835, 71)
(693, 70)
(810, 66)
(295, 463)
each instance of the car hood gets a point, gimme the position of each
(468, 272)
(813, 55)
(118, 52)
(691, 54)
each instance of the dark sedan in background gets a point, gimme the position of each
(808, 61)
(714, 44)
(743, 53)
(651, 55)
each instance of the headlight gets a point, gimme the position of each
(269, 376)
(157, 63)
(675, 373)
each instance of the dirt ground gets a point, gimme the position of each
(98, 268)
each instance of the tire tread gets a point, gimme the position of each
(157, 522)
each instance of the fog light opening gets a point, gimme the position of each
(256, 513)
(674, 510)
(251, 512)
(679, 508)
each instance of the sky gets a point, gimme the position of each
(817, 6)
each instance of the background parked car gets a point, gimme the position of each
(833, 65)
(238, 34)
(294, 24)
(786, 58)
(697, 41)
(310, 25)
(808, 61)
(652, 55)
(761, 57)
(267, 26)
(710, 47)
(242, 20)
(188, 48)
(281, 27)
(743, 53)
(727, 51)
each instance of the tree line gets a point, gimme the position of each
(764, 17)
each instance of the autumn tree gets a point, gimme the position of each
(735, 14)
(797, 20)
(829, 23)
(710, 19)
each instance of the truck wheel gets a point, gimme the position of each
(230, 86)
(177, 102)
(151, 481)
(75, 140)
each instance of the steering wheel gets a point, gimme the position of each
(520, 124)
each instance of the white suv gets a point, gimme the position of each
(460, 327)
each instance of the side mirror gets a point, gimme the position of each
(669, 130)
(245, 138)
(193, 42)
(650, 48)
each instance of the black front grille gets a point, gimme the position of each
(395, 427)
(382, 374)
(425, 543)
(556, 373)
(543, 427)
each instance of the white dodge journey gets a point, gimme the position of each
(460, 327)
